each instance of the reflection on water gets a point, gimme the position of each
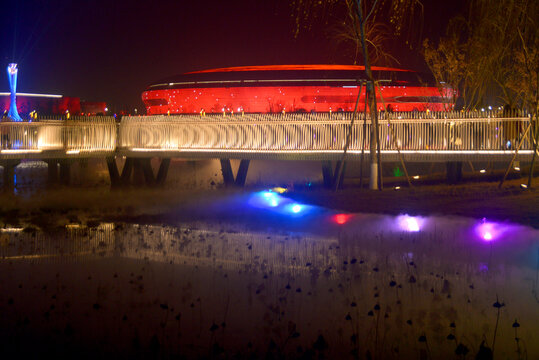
(342, 288)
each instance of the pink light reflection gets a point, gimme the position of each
(488, 231)
(341, 219)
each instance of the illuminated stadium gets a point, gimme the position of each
(290, 88)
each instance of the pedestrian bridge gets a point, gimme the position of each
(416, 136)
(410, 137)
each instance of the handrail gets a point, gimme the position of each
(267, 132)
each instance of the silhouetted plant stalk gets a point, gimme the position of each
(516, 325)
(423, 339)
(498, 306)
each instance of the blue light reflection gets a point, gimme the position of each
(279, 204)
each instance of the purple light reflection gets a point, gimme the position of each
(488, 231)
(410, 223)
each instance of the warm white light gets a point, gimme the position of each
(416, 177)
(20, 151)
(11, 230)
(482, 171)
(72, 152)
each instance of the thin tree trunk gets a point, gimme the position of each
(514, 156)
(374, 143)
(363, 141)
(340, 165)
(535, 140)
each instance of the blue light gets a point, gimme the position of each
(12, 76)
(271, 198)
(278, 204)
(266, 199)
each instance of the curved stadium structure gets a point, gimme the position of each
(290, 88)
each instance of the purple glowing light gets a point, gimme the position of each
(409, 223)
(489, 231)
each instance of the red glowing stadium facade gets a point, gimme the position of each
(290, 88)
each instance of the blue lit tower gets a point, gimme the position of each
(12, 75)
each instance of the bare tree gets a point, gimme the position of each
(494, 47)
(477, 55)
(362, 15)
(376, 36)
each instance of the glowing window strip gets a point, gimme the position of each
(33, 95)
(296, 67)
(250, 81)
(261, 81)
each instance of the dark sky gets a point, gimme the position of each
(110, 50)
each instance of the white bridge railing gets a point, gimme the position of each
(267, 133)
(78, 134)
(299, 132)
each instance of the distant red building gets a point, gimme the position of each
(93, 108)
(48, 104)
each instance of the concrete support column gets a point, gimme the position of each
(163, 171)
(453, 171)
(9, 173)
(226, 170)
(138, 173)
(241, 176)
(114, 174)
(329, 174)
(65, 171)
(140, 170)
(335, 174)
(228, 175)
(146, 165)
(127, 170)
(52, 171)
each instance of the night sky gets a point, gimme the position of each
(106, 50)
